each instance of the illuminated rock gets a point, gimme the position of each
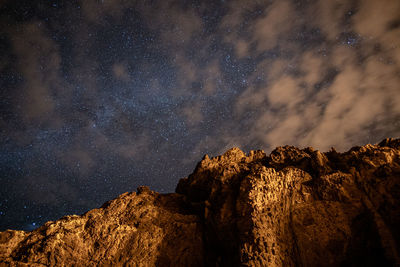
(295, 207)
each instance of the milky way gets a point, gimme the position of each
(100, 97)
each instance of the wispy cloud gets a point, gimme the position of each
(39, 62)
(336, 94)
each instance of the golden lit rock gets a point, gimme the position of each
(295, 207)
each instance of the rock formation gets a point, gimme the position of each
(295, 207)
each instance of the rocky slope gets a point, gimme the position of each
(295, 207)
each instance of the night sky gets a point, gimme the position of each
(98, 97)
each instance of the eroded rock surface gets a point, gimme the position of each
(135, 229)
(295, 207)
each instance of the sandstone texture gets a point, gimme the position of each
(294, 207)
(135, 229)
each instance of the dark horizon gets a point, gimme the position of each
(100, 97)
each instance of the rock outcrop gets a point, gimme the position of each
(295, 207)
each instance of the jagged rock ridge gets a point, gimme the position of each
(295, 207)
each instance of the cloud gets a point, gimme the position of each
(374, 18)
(229, 27)
(329, 16)
(374, 21)
(345, 111)
(134, 148)
(193, 113)
(278, 21)
(120, 72)
(296, 94)
(39, 61)
(336, 91)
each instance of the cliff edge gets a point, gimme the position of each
(294, 207)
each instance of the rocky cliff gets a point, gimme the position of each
(295, 207)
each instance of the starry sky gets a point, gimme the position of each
(98, 97)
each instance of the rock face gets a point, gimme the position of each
(295, 207)
(135, 229)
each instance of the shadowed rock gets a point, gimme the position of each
(295, 207)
